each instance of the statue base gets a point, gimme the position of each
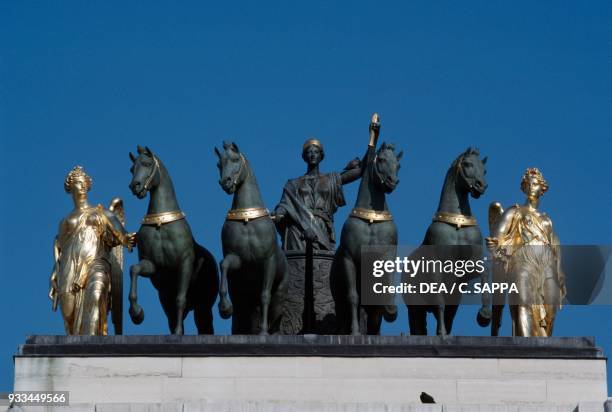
(309, 373)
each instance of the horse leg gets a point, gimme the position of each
(169, 306)
(203, 319)
(350, 273)
(229, 262)
(207, 291)
(374, 320)
(207, 287)
(496, 319)
(439, 314)
(450, 311)
(185, 273)
(280, 292)
(269, 273)
(417, 320)
(144, 268)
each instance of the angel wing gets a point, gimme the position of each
(116, 295)
(116, 206)
(495, 213)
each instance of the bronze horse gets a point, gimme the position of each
(254, 268)
(453, 234)
(369, 224)
(183, 272)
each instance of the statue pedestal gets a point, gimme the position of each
(323, 306)
(310, 373)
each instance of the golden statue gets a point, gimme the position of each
(86, 279)
(526, 251)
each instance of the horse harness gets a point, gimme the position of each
(376, 171)
(371, 216)
(147, 184)
(243, 163)
(455, 219)
(158, 219)
(247, 214)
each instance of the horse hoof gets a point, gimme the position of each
(390, 313)
(137, 314)
(263, 333)
(225, 310)
(484, 316)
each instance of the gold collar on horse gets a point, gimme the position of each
(455, 219)
(372, 216)
(247, 214)
(158, 219)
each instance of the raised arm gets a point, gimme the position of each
(354, 169)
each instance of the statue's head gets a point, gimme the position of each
(471, 171)
(533, 183)
(145, 172)
(312, 152)
(232, 167)
(78, 183)
(386, 166)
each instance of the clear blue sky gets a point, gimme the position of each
(84, 82)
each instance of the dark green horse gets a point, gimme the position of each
(183, 272)
(452, 235)
(370, 224)
(254, 268)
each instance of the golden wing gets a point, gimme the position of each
(116, 206)
(116, 295)
(495, 213)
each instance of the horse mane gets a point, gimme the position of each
(386, 146)
(231, 146)
(470, 151)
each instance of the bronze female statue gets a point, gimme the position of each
(526, 251)
(304, 219)
(86, 278)
(308, 203)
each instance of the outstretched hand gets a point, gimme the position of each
(374, 129)
(130, 240)
(375, 124)
(310, 235)
(492, 242)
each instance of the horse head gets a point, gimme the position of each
(386, 166)
(145, 172)
(471, 170)
(232, 167)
